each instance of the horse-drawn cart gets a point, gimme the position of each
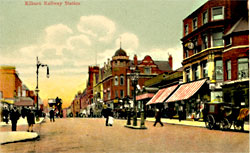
(222, 116)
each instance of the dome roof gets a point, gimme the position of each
(120, 52)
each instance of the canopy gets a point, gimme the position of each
(24, 101)
(144, 96)
(162, 94)
(185, 91)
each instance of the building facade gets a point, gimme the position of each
(204, 43)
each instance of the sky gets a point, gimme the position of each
(69, 38)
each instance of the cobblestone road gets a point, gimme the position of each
(91, 135)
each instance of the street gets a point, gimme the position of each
(91, 135)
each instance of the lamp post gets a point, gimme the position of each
(38, 64)
(134, 78)
(127, 105)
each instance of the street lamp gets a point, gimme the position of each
(37, 89)
(134, 78)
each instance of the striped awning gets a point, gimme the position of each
(145, 96)
(162, 94)
(185, 91)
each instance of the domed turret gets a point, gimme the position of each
(120, 52)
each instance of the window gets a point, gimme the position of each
(204, 69)
(243, 69)
(116, 93)
(121, 80)
(204, 17)
(204, 41)
(195, 72)
(228, 41)
(194, 24)
(186, 53)
(217, 13)
(121, 94)
(228, 70)
(116, 80)
(186, 29)
(1, 94)
(195, 45)
(188, 74)
(217, 38)
(147, 70)
(218, 70)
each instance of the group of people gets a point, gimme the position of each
(14, 116)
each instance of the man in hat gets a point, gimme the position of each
(14, 116)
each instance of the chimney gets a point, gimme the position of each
(170, 61)
(135, 60)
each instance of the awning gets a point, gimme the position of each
(24, 101)
(8, 101)
(185, 91)
(162, 94)
(145, 96)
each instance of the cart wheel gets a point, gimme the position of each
(225, 124)
(211, 121)
(239, 125)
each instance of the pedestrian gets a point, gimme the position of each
(23, 112)
(14, 116)
(5, 115)
(158, 117)
(30, 119)
(52, 115)
(180, 112)
(107, 113)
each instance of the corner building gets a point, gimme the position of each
(206, 36)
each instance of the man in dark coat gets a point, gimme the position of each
(106, 112)
(30, 120)
(51, 115)
(158, 117)
(14, 116)
(23, 112)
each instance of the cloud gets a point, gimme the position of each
(78, 42)
(99, 27)
(56, 37)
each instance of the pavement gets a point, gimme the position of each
(17, 136)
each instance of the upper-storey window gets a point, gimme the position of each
(147, 70)
(195, 41)
(217, 13)
(204, 38)
(204, 17)
(121, 80)
(204, 69)
(194, 24)
(116, 81)
(217, 39)
(186, 29)
(218, 70)
(228, 70)
(243, 68)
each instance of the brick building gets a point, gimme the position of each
(210, 40)
(10, 83)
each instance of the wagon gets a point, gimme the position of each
(223, 115)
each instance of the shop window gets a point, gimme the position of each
(204, 17)
(121, 80)
(243, 68)
(217, 13)
(194, 24)
(217, 38)
(116, 81)
(186, 29)
(204, 38)
(228, 70)
(218, 70)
